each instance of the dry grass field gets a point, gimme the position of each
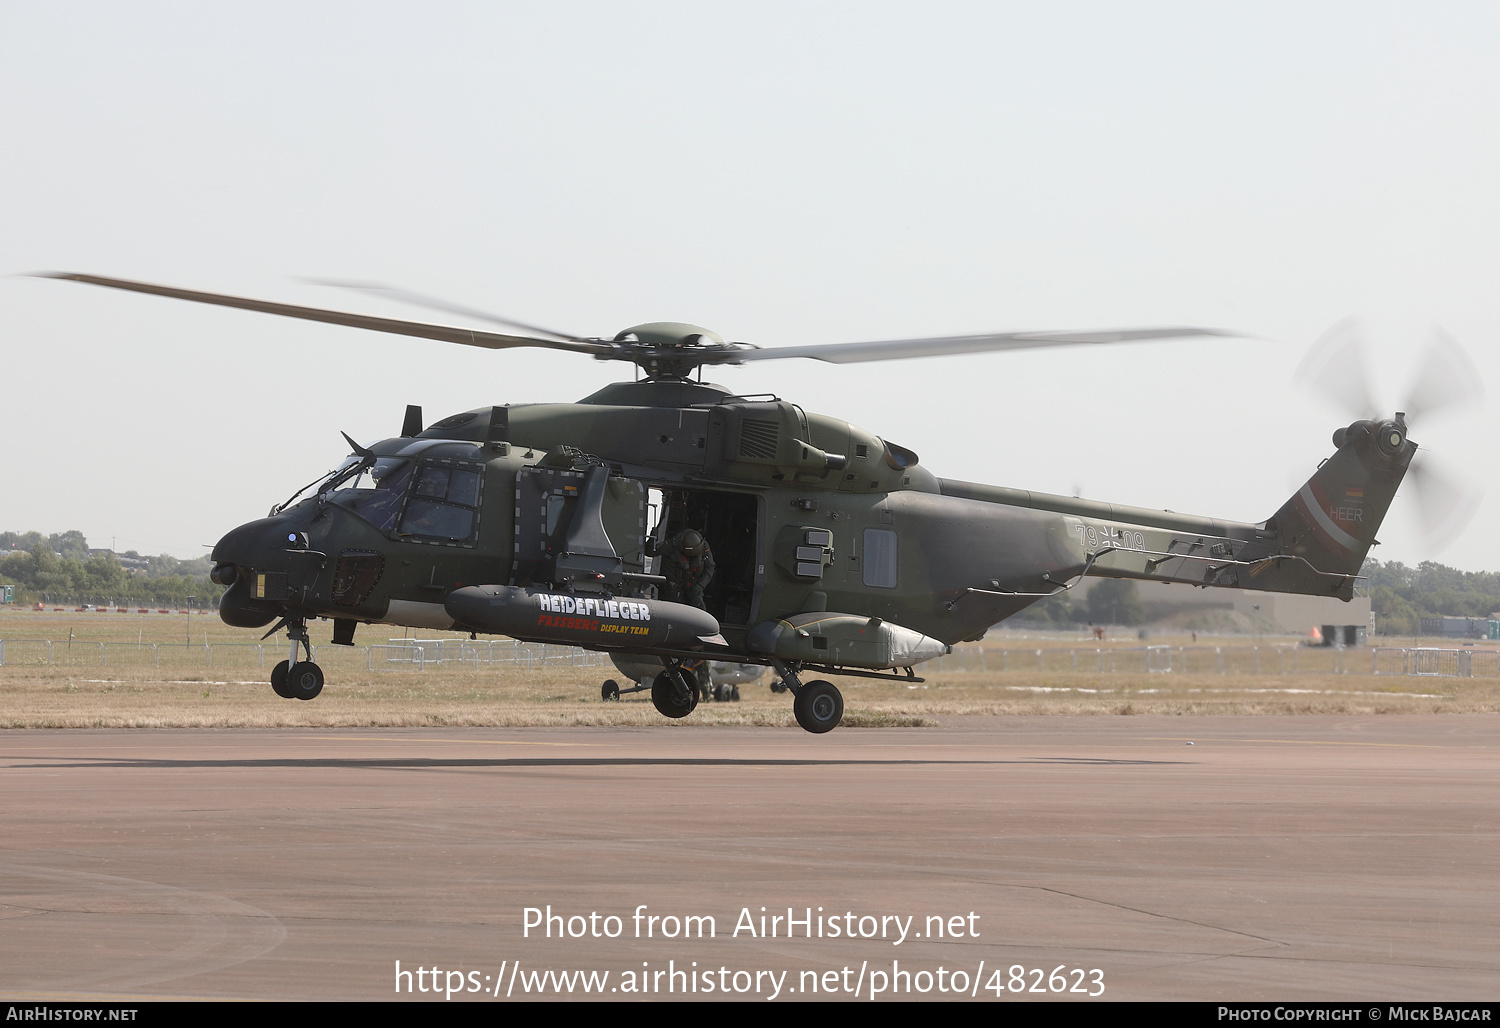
(137, 670)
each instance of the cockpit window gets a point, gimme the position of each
(453, 484)
(444, 503)
(437, 520)
(431, 500)
(433, 482)
(463, 488)
(376, 494)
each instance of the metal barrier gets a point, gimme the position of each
(475, 653)
(420, 654)
(400, 654)
(25, 651)
(1230, 660)
(78, 651)
(1433, 662)
(222, 655)
(125, 654)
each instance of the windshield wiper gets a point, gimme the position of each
(332, 479)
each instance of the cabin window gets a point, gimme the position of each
(880, 558)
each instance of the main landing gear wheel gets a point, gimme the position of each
(610, 690)
(819, 707)
(674, 693)
(304, 681)
(278, 681)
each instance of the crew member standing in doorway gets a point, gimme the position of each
(688, 566)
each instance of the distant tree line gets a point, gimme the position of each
(1401, 596)
(30, 561)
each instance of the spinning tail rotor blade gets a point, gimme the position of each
(1447, 380)
(1445, 503)
(1337, 367)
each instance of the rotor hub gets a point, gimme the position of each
(671, 350)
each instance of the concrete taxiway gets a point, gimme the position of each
(1284, 858)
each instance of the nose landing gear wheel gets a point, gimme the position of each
(278, 681)
(610, 690)
(674, 693)
(819, 707)
(305, 680)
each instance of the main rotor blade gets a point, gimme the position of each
(434, 303)
(443, 333)
(1336, 365)
(901, 349)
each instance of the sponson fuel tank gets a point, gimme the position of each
(824, 637)
(598, 622)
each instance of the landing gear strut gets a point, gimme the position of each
(293, 679)
(818, 705)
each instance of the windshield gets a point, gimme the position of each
(375, 493)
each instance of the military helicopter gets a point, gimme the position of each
(837, 552)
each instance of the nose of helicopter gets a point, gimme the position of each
(252, 562)
(258, 544)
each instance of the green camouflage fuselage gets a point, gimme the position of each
(822, 532)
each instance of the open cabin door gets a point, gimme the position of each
(729, 523)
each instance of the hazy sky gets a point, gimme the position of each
(782, 173)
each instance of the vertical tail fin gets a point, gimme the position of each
(1331, 521)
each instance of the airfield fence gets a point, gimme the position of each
(397, 655)
(1229, 660)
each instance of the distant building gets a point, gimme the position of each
(1457, 628)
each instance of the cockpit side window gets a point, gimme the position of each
(444, 504)
(433, 482)
(463, 487)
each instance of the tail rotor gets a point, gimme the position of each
(1337, 368)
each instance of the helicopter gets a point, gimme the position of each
(837, 553)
